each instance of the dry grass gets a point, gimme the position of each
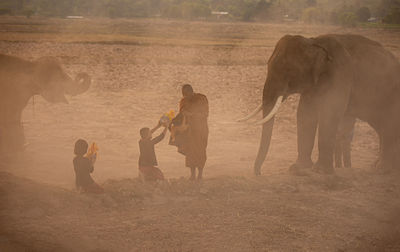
(137, 68)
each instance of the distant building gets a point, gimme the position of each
(220, 14)
(74, 17)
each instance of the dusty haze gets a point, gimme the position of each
(137, 68)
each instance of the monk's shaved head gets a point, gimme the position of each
(187, 90)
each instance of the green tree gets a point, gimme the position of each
(55, 8)
(393, 17)
(262, 10)
(313, 15)
(172, 11)
(194, 10)
(28, 12)
(363, 14)
(386, 6)
(348, 19)
(310, 3)
(5, 11)
(139, 9)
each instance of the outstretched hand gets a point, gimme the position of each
(156, 127)
(93, 158)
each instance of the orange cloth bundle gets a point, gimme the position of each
(92, 152)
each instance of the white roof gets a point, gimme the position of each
(74, 17)
(220, 13)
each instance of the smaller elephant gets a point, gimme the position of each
(344, 136)
(19, 81)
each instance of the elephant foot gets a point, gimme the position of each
(346, 165)
(200, 175)
(322, 169)
(338, 165)
(257, 169)
(384, 171)
(192, 174)
(378, 165)
(299, 168)
(380, 168)
(257, 172)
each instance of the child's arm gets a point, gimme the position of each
(164, 130)
(155, 128)
(90, 167)
(93, 158)
(158, 139)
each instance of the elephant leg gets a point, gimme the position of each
(378, 163)
(192, 173)
(330, 115)
(19, 137)
(16, 138)
(347, 127)
(388, 153)
(338, 153)
(346, 152)
(307, 121)
(200, 174)
(326, 144)
(375, 125)
(13, 137)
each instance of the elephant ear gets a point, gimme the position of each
(322, 58)
(48, 78)
(332, 59)
(44, 67)
(336, 75)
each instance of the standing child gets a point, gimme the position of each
(83, 166)
(147, 159)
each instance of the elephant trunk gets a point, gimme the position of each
(273, 95)
(80, 85)
(264, 145)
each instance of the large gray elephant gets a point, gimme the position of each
(335, 75)
(19, 81)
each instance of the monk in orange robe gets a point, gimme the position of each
(193, 142)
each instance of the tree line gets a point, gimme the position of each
(345, 12)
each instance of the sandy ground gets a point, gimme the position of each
(134, 83)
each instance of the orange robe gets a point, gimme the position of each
(195, 143)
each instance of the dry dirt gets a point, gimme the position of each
(137, 68)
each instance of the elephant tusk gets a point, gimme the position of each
(252, 114)
(273, 111)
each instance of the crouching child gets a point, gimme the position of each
(83, 167)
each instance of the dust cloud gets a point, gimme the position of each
(137, 72)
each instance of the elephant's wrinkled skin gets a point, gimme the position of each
(19, 81)
(334, 75)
